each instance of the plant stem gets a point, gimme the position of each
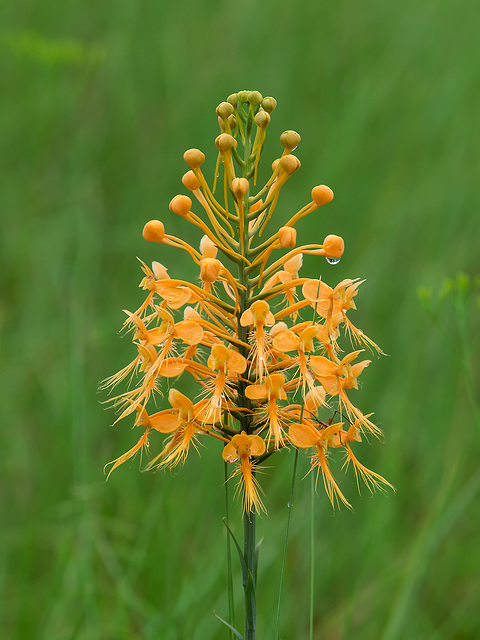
(249, 517)
(250, 583)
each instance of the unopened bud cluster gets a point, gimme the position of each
(261, 344)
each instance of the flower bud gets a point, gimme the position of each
(289, 163)
(243, 96)
(224, 142)
(159, 271)
(209, 269)
(190, 181)
(290, 139)
(240, 187)
(269, 104)
(232, 121)
(207, 248)
(189, 313)
(262, 119)
(224, 110)
(254, 98)
(333, 246)
(194, 158)
(322, 195)
(180, 205)
(275, 164)
(232, 99)
(287, 236)
(154, 231)
(277, 328)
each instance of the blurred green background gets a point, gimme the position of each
(98, 102)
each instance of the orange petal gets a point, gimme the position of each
(286, 341)
(229, 453)
(165, 421)
(322, 366)
(189, 331)
(315, 290)
(256, 392)
(169, 369)
(246, 318)
(236, 362)
(257, 446)
(303, 436)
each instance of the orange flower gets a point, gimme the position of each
(242, 447)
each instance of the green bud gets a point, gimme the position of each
(232, 99)
(243, 96)
(269, 104)
(262, 119)
(254, 98)
(224, 110)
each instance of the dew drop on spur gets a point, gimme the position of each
(332, 260)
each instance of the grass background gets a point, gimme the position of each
(98, 101)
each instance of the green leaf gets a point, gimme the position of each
(243, 562)
(237, 634)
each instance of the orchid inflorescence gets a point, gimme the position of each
(263, 374)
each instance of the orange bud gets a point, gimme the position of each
(287, 236)
(224, 142)
(180, 205)
(191, 181)
(209, 269)
(194, 158)
(289, 163)
(207, 248)
(290, 139)
(333, 246)
(240, 187)
(154, 231)
(322, 195)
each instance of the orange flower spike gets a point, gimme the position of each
(242, 447)
(257, 316)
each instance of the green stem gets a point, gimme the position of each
(250, 582)
(249, 517)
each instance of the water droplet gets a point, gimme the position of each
(333, 260)
(289, 505)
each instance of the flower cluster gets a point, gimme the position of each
(262, 375)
